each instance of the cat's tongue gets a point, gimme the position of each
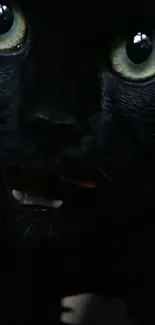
(85, 183)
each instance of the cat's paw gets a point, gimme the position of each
(76, 307)
(90, 309)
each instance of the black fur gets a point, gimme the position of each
(105, 131)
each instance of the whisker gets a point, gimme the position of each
(104, 174)
(107, 158)
(50, 232)
(20, 217)
(27, 231)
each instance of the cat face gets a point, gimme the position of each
(76, 111)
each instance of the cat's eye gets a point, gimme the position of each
(12, 27)
(134, 58)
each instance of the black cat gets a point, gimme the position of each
(76, 151)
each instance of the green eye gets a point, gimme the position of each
(134, 58)
(12, 27)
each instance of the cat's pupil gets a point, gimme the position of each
(139, 47)
(6, 18)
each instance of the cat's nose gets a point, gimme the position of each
(43, 126)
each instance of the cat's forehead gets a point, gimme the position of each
(107, 17)
(105, 9)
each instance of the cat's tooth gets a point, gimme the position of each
(56, 204)
(18, 195)
(28, 200)
(48, 203)
(25, 199)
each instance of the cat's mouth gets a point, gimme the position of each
(40, 189)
